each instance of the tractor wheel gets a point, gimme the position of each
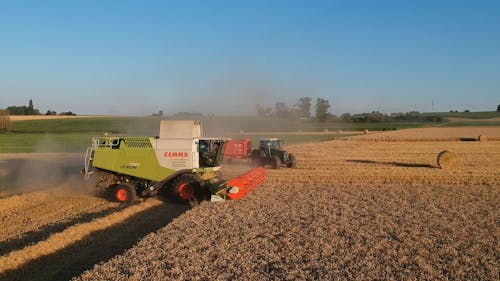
(255, 158)
(123, 193)
(276, 162)
(186, 189)
(292, 162)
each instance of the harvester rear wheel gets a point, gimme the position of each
(186, 188)
(124, 193)
(276, 162)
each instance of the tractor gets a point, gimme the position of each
(271, 153)
(179, 163)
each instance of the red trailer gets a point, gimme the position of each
(238, 149)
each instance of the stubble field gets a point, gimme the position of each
(351, 210)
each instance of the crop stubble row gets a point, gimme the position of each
(23, 213)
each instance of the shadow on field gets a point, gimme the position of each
(467, 139)
(398, 164)
(35, 236)
(98, 247)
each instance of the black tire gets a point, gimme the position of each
(276, 162)
(292, 162)
(186, 188)
(256, 158)
(123, 193)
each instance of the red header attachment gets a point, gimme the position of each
(240, 186)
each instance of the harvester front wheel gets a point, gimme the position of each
(276, 162)
(186, 188)
(124, 193)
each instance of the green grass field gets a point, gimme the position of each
(74, 135)
(44, 142)
(471, 115)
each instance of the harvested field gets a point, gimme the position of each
(53, 218)
(433, 134)
(351, 210)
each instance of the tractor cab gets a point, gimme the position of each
(270, 144)
(270, 152)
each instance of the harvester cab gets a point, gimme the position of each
(270, 152)
(180, 163)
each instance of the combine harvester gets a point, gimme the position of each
(180, 162)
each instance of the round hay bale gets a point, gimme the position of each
(482, 138)
(339, 132)
(446, 159)
(366, 131)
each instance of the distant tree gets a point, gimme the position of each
(498, 108)
(466, 110)
(304, 107)
(332, 118)
(17, 110)
(321, 108)
(346, 117)
(263, 111)
(184, 114)
(67, 113)
(31, 109)
(50, 112)
(158, 114)
(376, 117)
(23, 110)
(281, 109)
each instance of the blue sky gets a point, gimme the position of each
(224, 57)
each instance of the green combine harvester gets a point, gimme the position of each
(180, 163)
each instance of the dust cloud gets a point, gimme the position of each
(235, 91)
(28, 172)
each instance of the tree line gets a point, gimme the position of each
(31, 110)
(300, 110)
(379, 117)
